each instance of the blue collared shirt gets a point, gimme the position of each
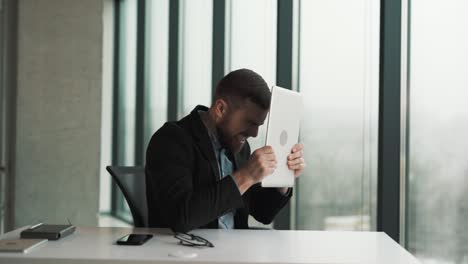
(225, 166)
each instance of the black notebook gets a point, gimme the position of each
(50, 232)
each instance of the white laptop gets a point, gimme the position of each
(283, 133)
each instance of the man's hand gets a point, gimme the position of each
(261, 163)
(295, 162)
(296, 159)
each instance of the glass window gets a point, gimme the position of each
(107, 100)
(195, 53)
(253, 37)
(251, 32)
(126, 97)
(338, 78)
(437, 192)
(157, 47)
(126, 83)
(251, 44)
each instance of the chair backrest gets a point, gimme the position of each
(131, 181)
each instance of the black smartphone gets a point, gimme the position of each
(134, 239)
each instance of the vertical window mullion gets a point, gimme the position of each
(284, 65)
(388, 184)
(140, 83)
(219, 18)
(173, 70)
(115, 105)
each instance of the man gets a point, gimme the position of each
(199, 170)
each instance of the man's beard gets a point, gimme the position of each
(223, 135)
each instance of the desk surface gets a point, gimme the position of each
(97, 245)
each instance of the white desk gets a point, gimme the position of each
(97, 245)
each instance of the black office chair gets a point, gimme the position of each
(131, 181)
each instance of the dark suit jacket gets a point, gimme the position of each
(183, 187)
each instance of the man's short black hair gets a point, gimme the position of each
(244, 84)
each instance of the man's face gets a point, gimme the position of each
(240, 123)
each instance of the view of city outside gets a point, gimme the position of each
(338, 78)
(437, 195)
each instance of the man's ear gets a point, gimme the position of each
(220, 108)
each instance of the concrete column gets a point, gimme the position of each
(58, 119)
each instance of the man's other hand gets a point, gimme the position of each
(295, 163)
(296, 159)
